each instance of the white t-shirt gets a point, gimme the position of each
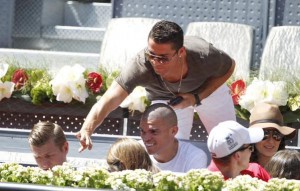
(188, 157)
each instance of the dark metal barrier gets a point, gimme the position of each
(31, 187)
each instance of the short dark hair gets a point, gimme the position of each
(284, 164)
(44, 131)
(161, 111)
(167, 32)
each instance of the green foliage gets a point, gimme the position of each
(138, 179)
(14, 173)
(245, 183)
(37, 88)
(166, 181)
(9, 73)
(41, 90)
(241, 112)
(282, 185)
(94, 178)
(109, 78)
(203, 179)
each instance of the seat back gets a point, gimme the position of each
(281, 55)
(234, 39)
(124, 38)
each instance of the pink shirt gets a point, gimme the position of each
(253, 170)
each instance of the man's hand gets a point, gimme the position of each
(112, 98)
(85, 140)
(188, 100)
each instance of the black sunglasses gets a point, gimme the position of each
(250, 147)
(161, 59)
(275, 134)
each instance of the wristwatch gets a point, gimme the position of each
(197, 100)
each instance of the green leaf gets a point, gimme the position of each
(291, 116)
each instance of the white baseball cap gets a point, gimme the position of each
(229, 136)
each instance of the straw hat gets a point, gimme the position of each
(266, 115)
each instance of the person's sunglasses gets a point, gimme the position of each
(161, 59)
(273, 133)
(250, 147)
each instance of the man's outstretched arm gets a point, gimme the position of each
(111, 99)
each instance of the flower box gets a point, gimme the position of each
(65, 97)
(19, 114)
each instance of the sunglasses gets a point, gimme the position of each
(161, 59)
(273, 133)
(250, 147)
(116, 166)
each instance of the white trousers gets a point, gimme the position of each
(214, 109)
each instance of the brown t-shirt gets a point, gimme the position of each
(204, 61)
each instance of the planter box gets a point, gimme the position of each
(19, 114)
(33, 187)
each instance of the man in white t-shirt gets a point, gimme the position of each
(158, 129)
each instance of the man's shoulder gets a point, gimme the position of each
(256, 170)
(254, 166)
(196, 46)
(188, 147)
(195, 157)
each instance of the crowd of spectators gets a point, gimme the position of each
(181, 75)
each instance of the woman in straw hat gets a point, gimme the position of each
(269, 117)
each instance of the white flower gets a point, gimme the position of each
(294, 102)
(131, 180)
(282, 184)
(62, 91)
(136, 100)
(264, 91)
(6, 89)
(69, 83)
(202, 179)
(3, 69)
(165, 180)
(244, 182)
(138, 179)
(280, 93)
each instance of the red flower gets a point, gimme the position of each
(237, 89)
(19, 78)
(94, 82)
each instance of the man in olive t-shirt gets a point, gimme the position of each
(172, 66)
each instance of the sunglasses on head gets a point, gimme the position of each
(161, 59)
(275, 134)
